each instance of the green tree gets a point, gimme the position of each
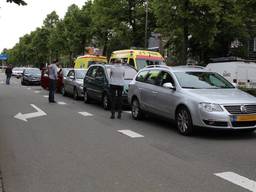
(19, 2)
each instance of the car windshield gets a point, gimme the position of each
(33, 71)
(202, 80)
(141, 63)
(129, 72)
(80, 74)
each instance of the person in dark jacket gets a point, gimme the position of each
(8, 73)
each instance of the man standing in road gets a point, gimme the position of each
(117, 73)
(53, 75)
(8, 73)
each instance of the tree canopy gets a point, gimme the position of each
(19, 2)
(197, 29)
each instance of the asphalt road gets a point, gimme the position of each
(65, 151)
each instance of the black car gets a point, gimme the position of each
(31, 76)
(96, 84)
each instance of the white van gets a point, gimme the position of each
(242, 73)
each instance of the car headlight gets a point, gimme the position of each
(210, 107)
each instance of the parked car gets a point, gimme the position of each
(17, 71)
(96, 84)
(62, 74)
(73, 83)
(240, 72)
(31, 76)
(192, 97)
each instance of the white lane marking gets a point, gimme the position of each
(37, 91)
(26, 116)
(130, 133)
(29, 88)
(238, 180)
(86, 114)
(46, 96)
(129, 112)
(61, 103)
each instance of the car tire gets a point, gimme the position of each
(184, 121)
(63, 91)
(137, 113)
(86, 96)
(22, 82)
(105, 102)
(75, 94)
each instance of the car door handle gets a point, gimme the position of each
(154, 92)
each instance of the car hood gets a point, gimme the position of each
(222, 96)
(34, 75)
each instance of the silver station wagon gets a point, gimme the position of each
(193, 97)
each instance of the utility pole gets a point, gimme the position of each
(146, 26)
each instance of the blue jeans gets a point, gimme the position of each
(52, 89)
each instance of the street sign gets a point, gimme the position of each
(3, 56)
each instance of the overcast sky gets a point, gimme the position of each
(16, 21)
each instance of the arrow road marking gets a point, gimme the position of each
(85, 114)
(130, 133)
(25, 117)
(238, 180)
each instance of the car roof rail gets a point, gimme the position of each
(157, 66)
(194, 66)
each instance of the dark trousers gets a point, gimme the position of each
(116, 98)
(8, 78)
(52, 89)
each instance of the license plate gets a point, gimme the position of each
(244, 118)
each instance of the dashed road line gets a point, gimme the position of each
(129, 112)
(37, 91)
(130, 133)
(61, 103)
(46, 96)
(238, 180)
(86, 114)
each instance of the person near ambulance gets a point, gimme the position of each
(117, 82)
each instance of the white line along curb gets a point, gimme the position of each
(85, 114)
(130, 133)
(238, 180)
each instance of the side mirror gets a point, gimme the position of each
(72, 77)
(168, 86)
(235, 85)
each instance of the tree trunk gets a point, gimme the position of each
(185, 34)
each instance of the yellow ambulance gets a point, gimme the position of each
(137, 58)
(84, 62)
